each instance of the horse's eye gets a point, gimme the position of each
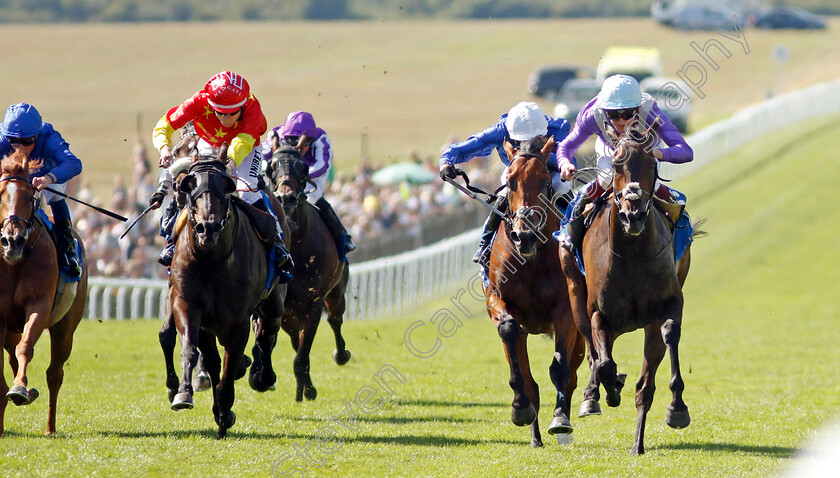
(511, 185)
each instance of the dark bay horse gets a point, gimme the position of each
(527, 291)
(32, 295)
(632, 281)
(320, 278)
(217, 282)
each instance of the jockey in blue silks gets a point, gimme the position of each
(23, 130)
(523, 122)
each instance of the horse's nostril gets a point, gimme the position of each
(514, 236)
(4, 241)
(199, 228)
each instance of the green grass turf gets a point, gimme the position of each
(758, 353)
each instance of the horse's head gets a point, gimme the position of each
(635, 174)
(207, 188)
(529, 191)
(17, 205)
(290, 174)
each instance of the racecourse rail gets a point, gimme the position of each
(393, 285)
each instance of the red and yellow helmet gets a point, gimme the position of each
(227, 92)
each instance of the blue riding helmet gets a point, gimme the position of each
(21, 121)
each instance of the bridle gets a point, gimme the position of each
(287, 167)
(526, 213)
(12, 218)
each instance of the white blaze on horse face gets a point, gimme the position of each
(632, 191)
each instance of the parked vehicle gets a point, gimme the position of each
(547, 81)
(574, 96)
(673, 97)
(638, 62)
(705, 17)
(788, 17)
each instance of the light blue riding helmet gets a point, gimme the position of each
(21, 121)
(619, 92)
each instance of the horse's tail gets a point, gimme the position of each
(696, 225)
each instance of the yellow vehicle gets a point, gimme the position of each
(638, 62)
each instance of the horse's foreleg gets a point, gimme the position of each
(336, 306)
(305, 388)
(234, 346)
(604, 365)
(9, 347)
(577, 298)
(189, 358)
(166, 337)
(262, 377)
(560, 376)
(677, 415)
(646, 386)
(38, 316)
(61, 344)
(523, 411)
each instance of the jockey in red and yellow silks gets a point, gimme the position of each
(224, 111)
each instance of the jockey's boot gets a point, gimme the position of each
(167, 230)
(482, 255)
(67, 248)
(343, 241)
(575, 227)
(282, 256)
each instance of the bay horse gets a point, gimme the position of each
(33, 296)
(527, 292)
(320, 278)
(631, 281)
(217, 282)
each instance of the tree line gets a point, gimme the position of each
(80, 11)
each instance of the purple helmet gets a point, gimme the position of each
(297, 124)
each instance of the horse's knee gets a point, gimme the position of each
(167, 335)
(671, 330)
(559, 369)
(508, 329)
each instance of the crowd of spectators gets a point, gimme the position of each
(367, 210)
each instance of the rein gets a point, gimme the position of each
(29, 223)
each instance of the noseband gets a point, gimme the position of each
(633, 190)
(288, 168)
(28, 223)
(206, 175)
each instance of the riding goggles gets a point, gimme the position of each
(625, 113)
(23, 141)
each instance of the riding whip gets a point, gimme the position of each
(103, 211)
(145, 211)
(471, 194)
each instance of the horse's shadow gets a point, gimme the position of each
(758, 450)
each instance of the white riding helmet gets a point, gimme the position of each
(620, 92)
(525, 121)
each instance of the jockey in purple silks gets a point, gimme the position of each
(523, 122)
(619, 101)
(317, 153)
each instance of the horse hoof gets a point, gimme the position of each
(310, 393)
(342, 357)
(171, 394)
(560, 426)
(182, 401)
(257, 383)
(18, 395)
(677, 419)
(523, 416)
(589, 407)
(243, 367)
(620, 378)
(201, 382)
(613, 400)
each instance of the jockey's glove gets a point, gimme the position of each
(448, 171)
(157, 198)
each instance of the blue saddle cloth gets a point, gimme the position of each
(63, 270)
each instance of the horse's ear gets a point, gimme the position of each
(301, 143)
(228, 184)
(275, 141)
(223, 153)
(510, 149)
(549, 147)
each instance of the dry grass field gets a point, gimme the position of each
(404, 86)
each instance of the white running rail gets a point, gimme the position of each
(393, 285)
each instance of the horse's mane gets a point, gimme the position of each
(286, 151)
(18, 164)
(533, 145)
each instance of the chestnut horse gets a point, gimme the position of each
(320, 278)
(527, 291)
(33, 296)
(217, 282)
(632, 281)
